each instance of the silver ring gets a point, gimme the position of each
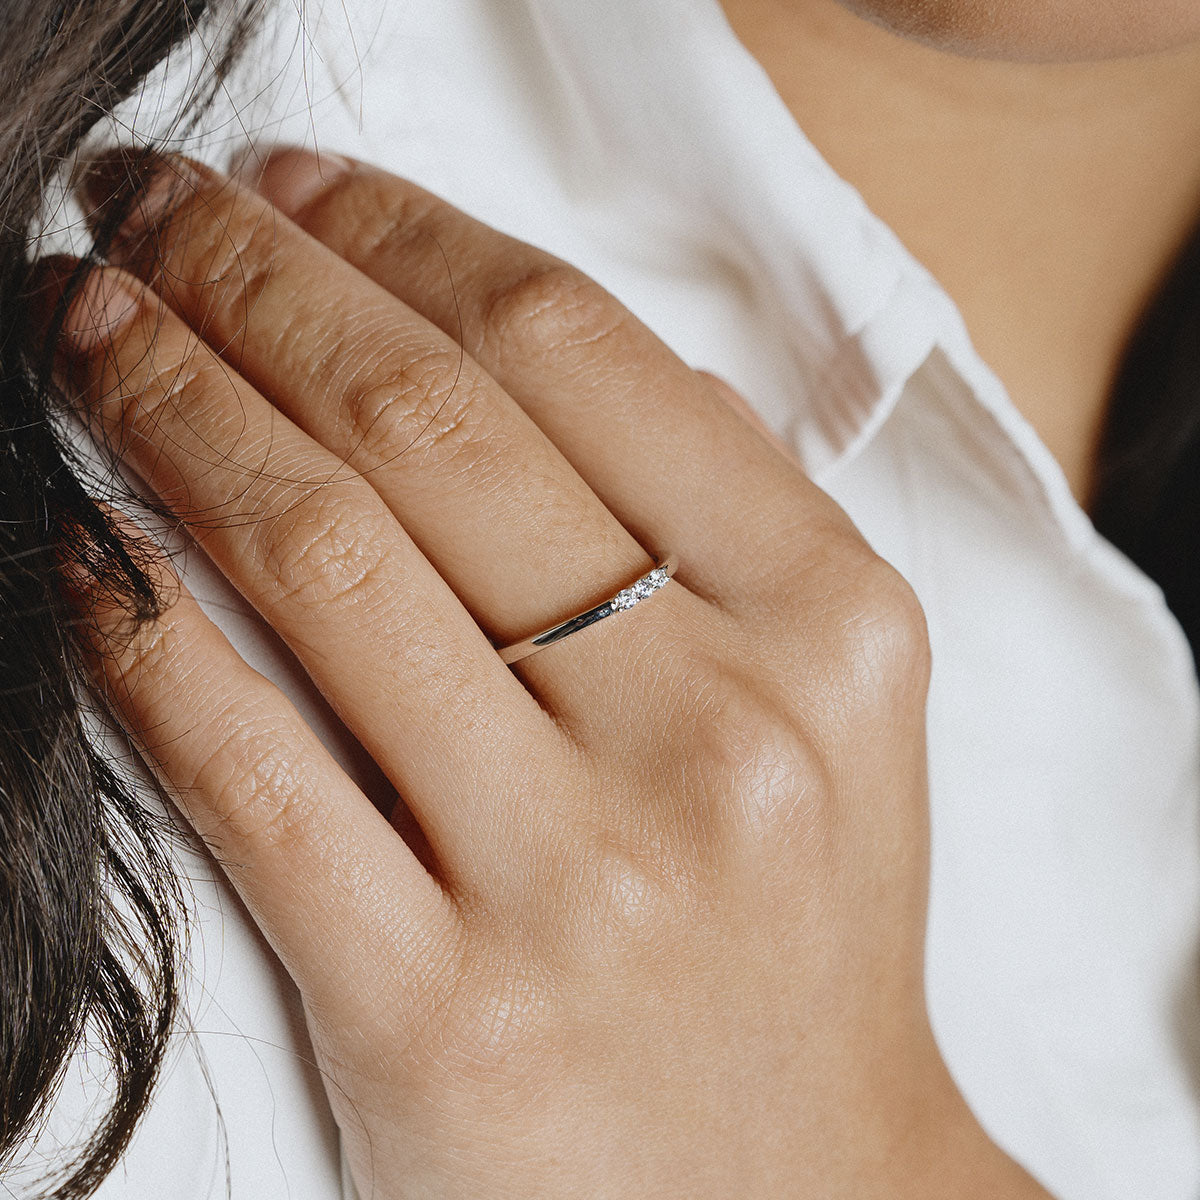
(625, 599)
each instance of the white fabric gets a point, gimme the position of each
(638, 139)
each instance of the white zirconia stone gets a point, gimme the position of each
(625, 599)
(643, 588)
(658, 576)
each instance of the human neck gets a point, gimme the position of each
(1047, 199)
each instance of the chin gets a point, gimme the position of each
(1040, 30)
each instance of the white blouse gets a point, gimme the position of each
(638, 139)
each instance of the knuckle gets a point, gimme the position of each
(251, 793)
(884, 633)
(379, 220)
(148, 391)
(153, 649)
(427, 408)
(320, 553)
(549, 309)
(489, 1023)
(154, 409)
(636, 897)
(243, 267)
(764, 774)
(220, 245)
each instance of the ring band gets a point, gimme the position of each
(639, 590)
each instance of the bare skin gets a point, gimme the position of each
(648, 919)
(1047, 197)
(1039, 30)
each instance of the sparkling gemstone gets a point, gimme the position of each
(643, 588)
(658, 576)
(625, 599)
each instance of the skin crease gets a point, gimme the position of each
(1044, 167)
(663, 931)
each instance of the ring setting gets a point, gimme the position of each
(641, 589)
(646, 586)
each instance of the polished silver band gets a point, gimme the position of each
(624, 599)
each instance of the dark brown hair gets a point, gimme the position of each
(92, 912)
(1147, 497)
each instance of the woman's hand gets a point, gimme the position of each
(648, 918)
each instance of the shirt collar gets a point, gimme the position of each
(672, 78)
